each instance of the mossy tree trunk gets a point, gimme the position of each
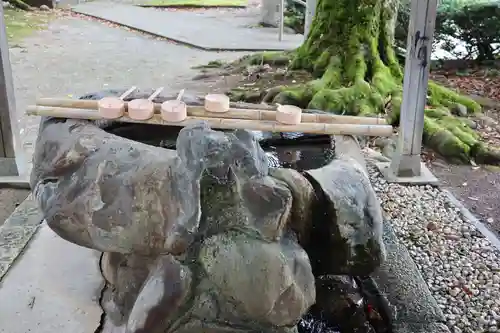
(350, 52)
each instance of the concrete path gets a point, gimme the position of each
(213, 29)
(54, 288)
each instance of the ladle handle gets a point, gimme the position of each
(128, 92)
(181, 93)
(156, 93)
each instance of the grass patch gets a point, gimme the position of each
(196, 3)
(20, 23)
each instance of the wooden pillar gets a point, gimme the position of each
(406, 161)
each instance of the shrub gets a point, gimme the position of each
(294, 16)
(475, 22)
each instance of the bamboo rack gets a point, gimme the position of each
(266, 124)
(233, 113)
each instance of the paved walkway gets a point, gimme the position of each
(55, 288)
(212, 29)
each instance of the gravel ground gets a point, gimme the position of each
(75, 56)
(460, 266)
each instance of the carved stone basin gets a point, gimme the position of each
(217, 235)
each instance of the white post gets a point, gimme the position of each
(282, 20)
(310, 12)
(11, 162)
(406, 161)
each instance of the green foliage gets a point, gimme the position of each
(475, 22)
(21, 23)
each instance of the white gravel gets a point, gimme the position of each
(460, 266)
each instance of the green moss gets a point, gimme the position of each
(452, 121)
(441, 96)
(20, 24)
(395, 110)
(466, 138)
(269, 58)
(385, 83)
(211, 64)
(331, 69)
(237, 95)
(444, 142)
(438, 112)
(294, 96)
(486, 155)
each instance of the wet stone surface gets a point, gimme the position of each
(210, 236)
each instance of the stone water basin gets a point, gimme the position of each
(315, 218)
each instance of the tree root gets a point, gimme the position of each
(380, 93)
(20, 4)
(279, 59)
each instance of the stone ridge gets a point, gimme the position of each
(17, 231)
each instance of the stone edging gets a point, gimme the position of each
(472, 219)
(17, 231)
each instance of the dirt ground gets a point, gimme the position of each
(478, 187)
(9, 200)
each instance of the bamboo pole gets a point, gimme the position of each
(233, 113)
(260, 125)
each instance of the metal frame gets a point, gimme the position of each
(12, 166)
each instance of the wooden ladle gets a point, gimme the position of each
(288, 114)
(174, 110)
(143, 109)
(113, 107)
(217, 103)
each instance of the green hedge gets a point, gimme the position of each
(475, 22)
